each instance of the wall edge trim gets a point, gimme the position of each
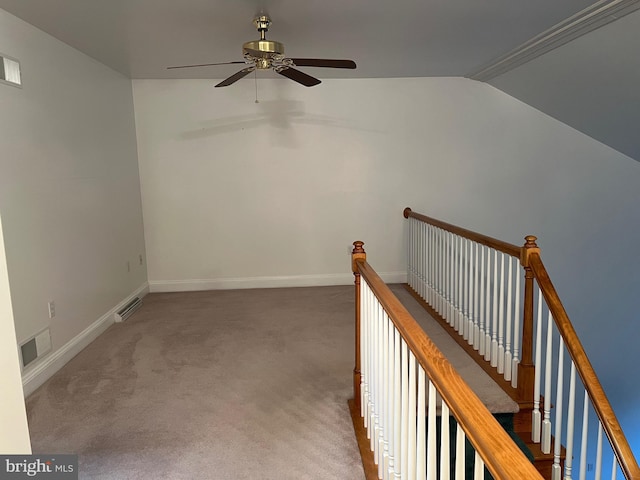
(265, 282)
(43, 370)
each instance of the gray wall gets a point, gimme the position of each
(69, 186)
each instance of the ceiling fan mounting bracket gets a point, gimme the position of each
(262, 23)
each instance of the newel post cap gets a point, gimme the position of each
(357, 247)
(358, 253)
(530, 241)
(406, 212)
(530, 246)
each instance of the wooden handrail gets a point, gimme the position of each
(600, 402)
(501, 455)
(499, 245)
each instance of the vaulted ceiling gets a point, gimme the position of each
(589, 83)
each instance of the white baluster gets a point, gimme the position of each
(585, 431)
(452, 253)
(500, 359)
(599, 453)
(411, 252)
(483, 285)
(375, 352)
(432, 254)
(507, 353)
(411, 430)
(459, 290)
(421, 447)
(436, 269)
(546, 422)
(430, 266)
(390, 427)
(418, 241)
(363, 349)
(445, 434)
(423, 252)
(478, 467)
(476, 313)
(460, 454)
(536, 417)
(568, 461)
(487, 335)
(443, 272)
(556, 468)
(469, 292)
(516, 333)
(397, 407)
(460, 285)
(614, 468)
(366, 406)
(404, 442)
(432, 457)
(494, 326)
(440, 256)
(384, 437)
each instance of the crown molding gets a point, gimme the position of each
(585, 21)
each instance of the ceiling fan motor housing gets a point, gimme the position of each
(265, 48)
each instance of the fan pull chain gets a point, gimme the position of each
(255, 76)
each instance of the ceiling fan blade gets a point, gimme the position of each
(236, 76)
(204, 65)
(319, 62)
(298, 76)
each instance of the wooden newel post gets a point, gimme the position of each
(358, 253)
(526, 367)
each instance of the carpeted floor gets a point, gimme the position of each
(495, 399)
(227, 384)
(211, 385)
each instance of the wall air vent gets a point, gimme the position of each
(35, 347)
(10, 71)
(126, 311)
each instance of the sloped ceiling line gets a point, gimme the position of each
(585, 21)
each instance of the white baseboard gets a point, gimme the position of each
(265, 282)
(35, 376)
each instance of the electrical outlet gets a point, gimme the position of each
(52, 309)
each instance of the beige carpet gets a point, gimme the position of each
(495, 399)
(235, 384)
(211, 385)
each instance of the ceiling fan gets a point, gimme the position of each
(264, 54)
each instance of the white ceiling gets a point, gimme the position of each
(407, 38)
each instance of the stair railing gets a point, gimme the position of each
(461, 277)
(404, 387)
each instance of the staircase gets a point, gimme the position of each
(513, 416)
(497, 401)
(523, 395)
